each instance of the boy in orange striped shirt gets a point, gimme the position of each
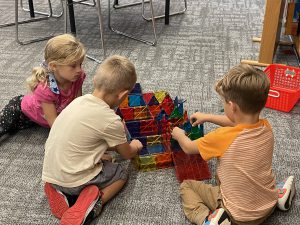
(246, 193)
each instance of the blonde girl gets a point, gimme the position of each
(53, 84)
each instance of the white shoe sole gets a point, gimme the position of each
(285, 202)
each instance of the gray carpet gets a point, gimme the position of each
(192, 52)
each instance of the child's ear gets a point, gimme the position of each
(233, 106)
(123, 94)
(52, 66)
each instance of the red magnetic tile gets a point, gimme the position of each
(190, 167)
(147, 97)
(154, 110)
(127, 113)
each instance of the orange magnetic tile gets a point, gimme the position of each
(124, 103)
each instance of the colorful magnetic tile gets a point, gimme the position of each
(154, 109)
(187, 126)
(144, 151)
(155, 149)
(166, 137)
(127, 113)
(147, 97)
(147, 163)
(142, 139)
(190, 166)
(148, 127)
(165, 127)
(168, 108)
(133, 128)
(185, 116)
(180, 108)
(168, 105)
(160, 95)
(175, 114)
(153, 101)
(167, 146)
(162, 115)
(154, 139)
(150, 118)
(164, 160)
(196, 132)
(167, 99)
(137, 88)
(135, 100)
(124, 103)
(141, 113)
(176, 122)
(175, 147)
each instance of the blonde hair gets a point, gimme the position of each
(60, 50)
(246, 86)
(116, 73)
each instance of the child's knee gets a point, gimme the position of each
(186, 184)
(124, 174)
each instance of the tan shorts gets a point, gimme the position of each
(199, 199)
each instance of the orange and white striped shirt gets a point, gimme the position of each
(244, 153)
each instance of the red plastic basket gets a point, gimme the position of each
(284, 87)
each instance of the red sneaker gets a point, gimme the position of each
(77, 214)
(58, 202)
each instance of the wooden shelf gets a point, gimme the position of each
(271, 33)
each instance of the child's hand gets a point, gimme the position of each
(136, 145)
(197, 118)
(177, 133)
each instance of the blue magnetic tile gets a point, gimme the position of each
(155, 149)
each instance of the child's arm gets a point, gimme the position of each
(128, 151)
(221, 120)
(187, 145)
(49, 112)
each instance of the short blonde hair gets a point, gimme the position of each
(116, 73)
(246, 86)
(63, 49)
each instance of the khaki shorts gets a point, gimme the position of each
(110, 173)
(199, 198)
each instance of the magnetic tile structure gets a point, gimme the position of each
(150, 118)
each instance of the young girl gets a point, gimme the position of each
(53, 86)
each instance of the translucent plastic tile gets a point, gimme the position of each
(127, 113)
(190, 167)
(149, 127)
(147, 163)
(154, 140)
(160, 95)
(136, 100)
(147, 97)
(134, 128)
(141, 112)
(154, 110)
(155, 149)
(137, 88)
(124, 104)
(164, 160)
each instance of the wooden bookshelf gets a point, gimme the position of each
(271, 33)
